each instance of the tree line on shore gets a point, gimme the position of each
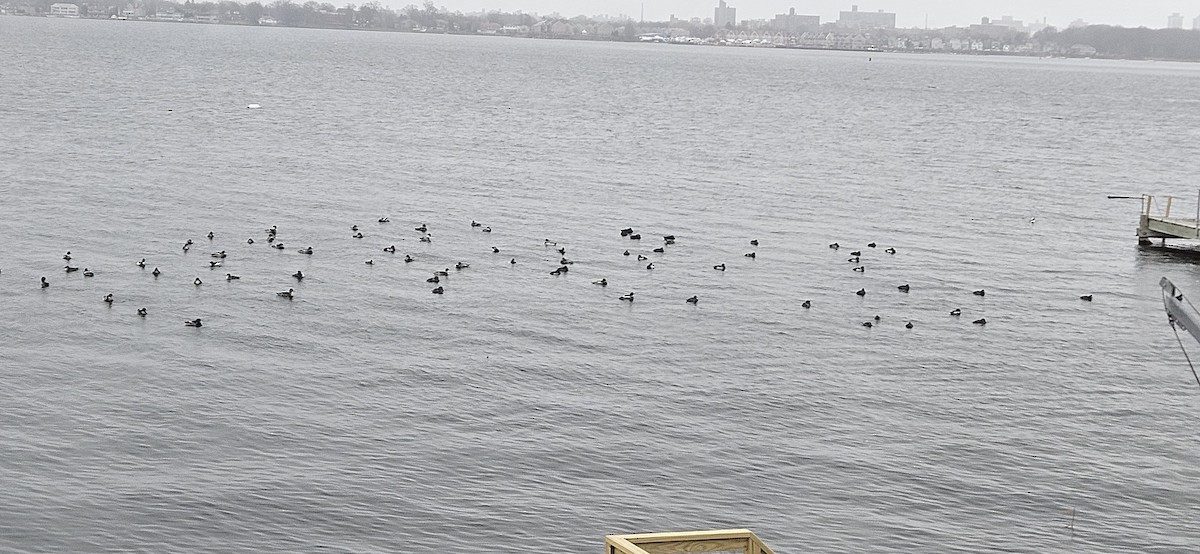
(1124, 43)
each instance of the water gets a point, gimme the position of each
(520, 408)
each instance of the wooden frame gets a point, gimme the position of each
(724, 540)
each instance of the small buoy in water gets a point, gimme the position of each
(253, 106)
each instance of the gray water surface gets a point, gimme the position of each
(521, 408)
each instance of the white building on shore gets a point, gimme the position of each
(64, 10)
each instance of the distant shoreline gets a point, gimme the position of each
(867, 50)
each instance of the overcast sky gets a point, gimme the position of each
(909, 13)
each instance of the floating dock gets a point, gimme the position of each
(1157, 221)
(741, 541)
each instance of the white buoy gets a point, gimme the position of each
(253, 106)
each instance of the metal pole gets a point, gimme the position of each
(1197, 213)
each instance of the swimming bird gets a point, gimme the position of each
(978, 292)
(627, 231)
(285, 294)
(565, 261)
(193, 323)
(642, 258)
(602, 282)
(835, 246)
(198, 282)
(487, 229)
(443, 273)
(876, 317)
(669, 238)
(156, 272)
(67, 256)
(45, 283)
(354, 227)
(806, 304)
(391, 248)
(861, 292)
(438, 290)
(908, 325)
(1086, 298)
(549, 242)
(903, 288)
(626, 253)
(659, 250)
(231, 277)
(557, 272)
(860, 269)
(426, 238)
(422, 228)
(890, 250)
(214, 265)
(306, 250)
(475, 224)
(868, 324)
(88, 273)
(141, 312)
(856, 253)
(956, 312)
(271, 231)
(669, 241)
(513, 261)
(385, 220)
(980, 321)
(298, 275)
(433, 279)
(461, 265)
(279, 246)
(693, 300)
(407, 258)
(210, 235)
(650, 265)
(635, 237)
(108, 298)
(70, 269)
(187, 246)
(871, 245)
(369, 262)
(628, 297)
(751, 255)
(562, 250)
(359, 235)
(495, 250)
(142, 263)
(719, 267)
(270, 239)
(754, 242)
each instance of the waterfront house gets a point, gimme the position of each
(64, 10)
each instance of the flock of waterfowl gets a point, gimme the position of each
(272, 239)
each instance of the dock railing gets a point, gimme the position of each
(1157, 222)
(725, 540)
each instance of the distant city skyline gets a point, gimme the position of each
(909, 13)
